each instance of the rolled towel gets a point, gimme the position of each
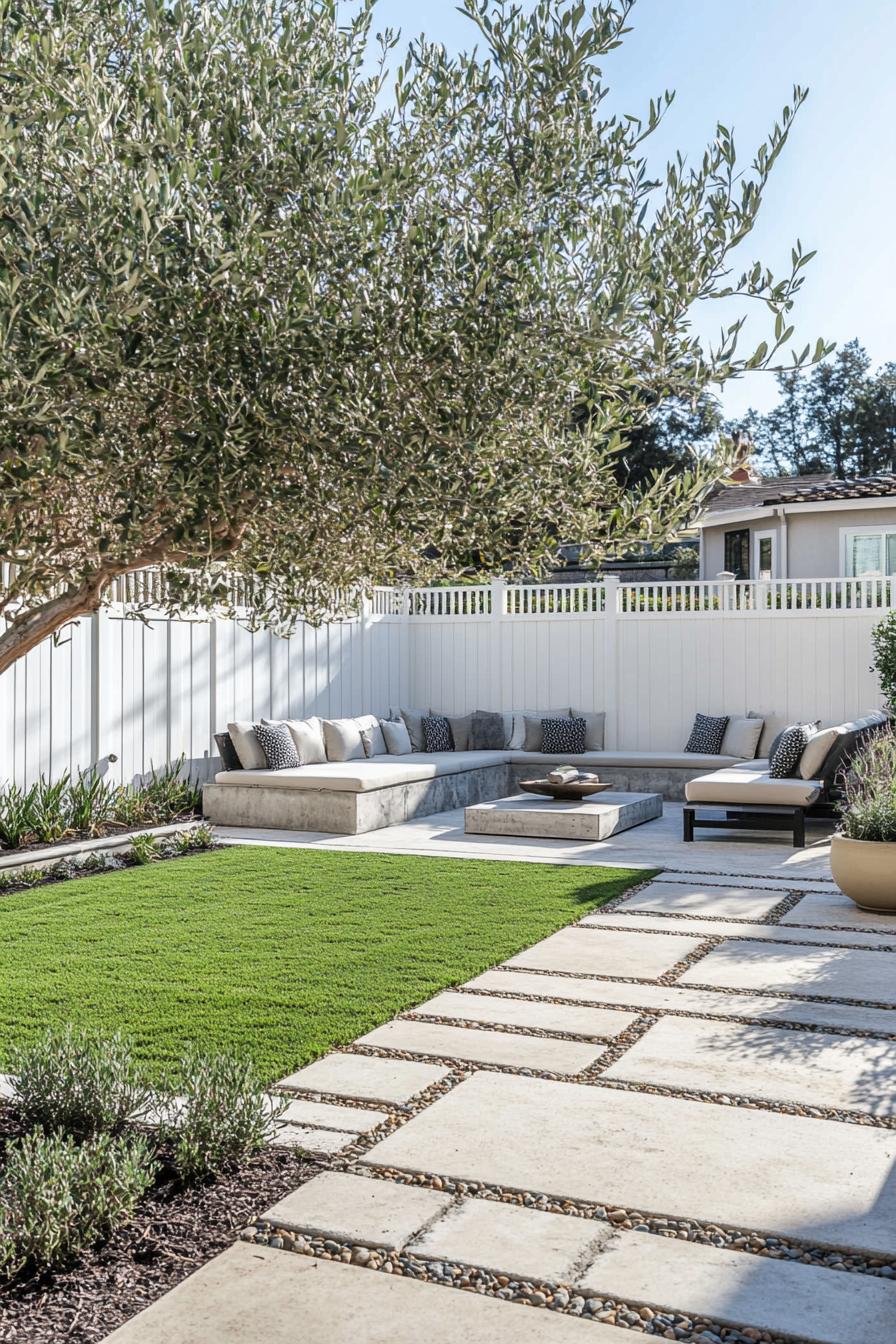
(563, 774)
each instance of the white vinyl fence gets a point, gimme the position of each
(650, 654)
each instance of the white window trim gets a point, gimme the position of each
(758, 538)
(848, 533)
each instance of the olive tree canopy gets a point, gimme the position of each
(275, 309)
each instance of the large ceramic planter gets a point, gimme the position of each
(865, 871)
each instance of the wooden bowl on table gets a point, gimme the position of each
(574, 791)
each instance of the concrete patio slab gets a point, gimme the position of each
(254, 1293)
(366, 1078)
(805, 1067)
(350, 1119)
(602, 1022)
(728, 902)
(583, 952)
(807, 1301)
(325, 1142)
(824, 909)
(483, 1047)
(508, 1239)
(709, 928)
(829, 972)
(703, 1001)
(779, 1174)
(354, 1208)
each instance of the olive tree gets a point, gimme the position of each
(285, 310)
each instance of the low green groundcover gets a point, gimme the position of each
(279, 952)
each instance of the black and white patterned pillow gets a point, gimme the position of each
(437, 733)
(279, 749)
(561, 736)
(784, 762)
(707, 733)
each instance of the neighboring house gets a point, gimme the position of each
(800, 527)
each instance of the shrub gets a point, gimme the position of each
(91, 803)
(883, 638)
(145, 849)
(164, 797)
(79, 1082)
(58, 1197)
(869, 788)
(220, 1114)
(16, 820)
(200, 838)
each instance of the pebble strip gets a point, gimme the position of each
(562, 1297)
(682, 1229)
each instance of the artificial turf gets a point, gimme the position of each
(281, 953)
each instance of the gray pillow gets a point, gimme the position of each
(486, 731)
(742, 737)
(342, 738)
(517, 740)
(398, 739)
(594, 728)
(371, 735)
(460, 731)
(413, 721)
(246, 745)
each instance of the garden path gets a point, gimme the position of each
(677, 1117)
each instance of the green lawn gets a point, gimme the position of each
(279, 952)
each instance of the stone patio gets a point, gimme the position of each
(676, 1118)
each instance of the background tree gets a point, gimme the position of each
(265, 314)
(840, 418)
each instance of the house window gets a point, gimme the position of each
(869, 554)
(737, 553)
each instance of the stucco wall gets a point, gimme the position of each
(813, 539)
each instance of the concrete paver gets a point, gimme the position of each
(588, 952)
(717, 928)
(366, 1077)
(827, 972)
(602, 1022)
(678, 898)
(484, 1047)
(355, 1208)
(833, 908)
(324, 1142)
(349, 1119)
(783, 1174)
(807, 1301)
(805, 1067)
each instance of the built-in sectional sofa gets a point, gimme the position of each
(374, 788)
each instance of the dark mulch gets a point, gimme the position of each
(173, 1233)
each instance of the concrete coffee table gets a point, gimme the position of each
(526, 814)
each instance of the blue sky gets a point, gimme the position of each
(835, 185)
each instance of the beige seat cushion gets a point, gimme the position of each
(749, 783)
(359, 776)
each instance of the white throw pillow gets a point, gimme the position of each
(594, 728)
(518, 736)
(308, 736)
(817, 749)
(342, 739)
(742, 737)
(371, 735)
(246, 745)
(398, 739)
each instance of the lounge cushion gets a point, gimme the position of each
(562, 735)
(246, 744)
(278, 747)
(817, 749)
(487, 731)
(707, 734)
(359, 776)
(413, 721)
(437, 733)
(750, 782)
(460, 725)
